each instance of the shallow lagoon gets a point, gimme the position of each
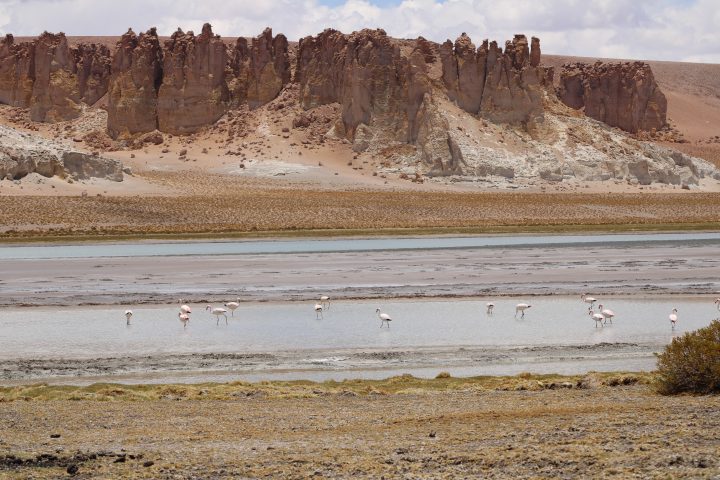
(286, 340)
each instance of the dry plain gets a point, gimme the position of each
(597, 425)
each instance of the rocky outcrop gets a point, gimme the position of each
(82, 166)
(260, 70)
(134, 82)
(16, 72)
(504, 87)
(50, 77)
(320, 68)
(366, 73)
(93, 71)
(193, 93)
(623, 95)
(55, 95)
(22, 154)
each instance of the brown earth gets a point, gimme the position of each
(600, 425)
(245, 207)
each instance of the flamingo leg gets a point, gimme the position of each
(226, 320)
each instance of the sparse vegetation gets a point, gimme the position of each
(269, 209)
(599, 425)
(691, 363)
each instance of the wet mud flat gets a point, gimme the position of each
(319, 365)
(691, 267)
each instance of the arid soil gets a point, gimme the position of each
(610, 426)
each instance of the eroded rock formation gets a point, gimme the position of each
(16, 72)
(93, 71)
(134, 82)
(367, 74)
(504, 87)
(55, 94)
(320, 64)
(194, 92)
(623, 95)
(261, 70)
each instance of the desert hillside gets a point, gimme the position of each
(338, 111)
(693, 100)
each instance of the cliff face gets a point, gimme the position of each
(55, 94)
(134, 82)
(504, 87)
(93, 71)
(16, 72)
(367, 74)
(261, 70)
(51, 78)
(623, 95)
(320, 66)
(381, 84)
(194, 92)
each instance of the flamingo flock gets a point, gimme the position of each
(601, 317)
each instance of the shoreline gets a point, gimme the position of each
(325, 234)
(388, 385)
(318, 365)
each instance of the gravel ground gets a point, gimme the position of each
(400, 428)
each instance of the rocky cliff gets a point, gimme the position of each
(380, 89)
(51, 78)
(194, 91)
(55, 94)
(134, 82)
(502, 86)
(623, 95)
(93, 64)
(17, 72)
(261, 70)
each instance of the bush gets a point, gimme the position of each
(691, 363)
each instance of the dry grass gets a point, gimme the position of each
(399, 385)
(272, 209)
(397, 428)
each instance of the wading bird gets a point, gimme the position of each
(673, 317)
(325, 301)
(318, 310)
(232, 306)
(384, 318)
(128, 316)
(521, 307)
(606, 313)
(589, 300)
(598, 317)
(184, 318)
(717, 302)
(218, 311)
(490, 306)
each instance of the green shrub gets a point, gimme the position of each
(691, 363)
